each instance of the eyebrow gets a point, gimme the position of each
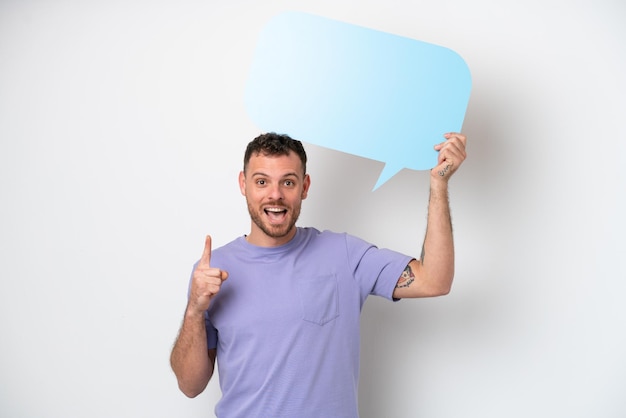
(260, 173)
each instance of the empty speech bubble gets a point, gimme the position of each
(357, 90)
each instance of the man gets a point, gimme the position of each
(279, 308)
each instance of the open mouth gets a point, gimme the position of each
(276, 214)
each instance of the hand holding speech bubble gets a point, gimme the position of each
(357, 90)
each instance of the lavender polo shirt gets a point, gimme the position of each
(286, 323)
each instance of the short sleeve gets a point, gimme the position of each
(376, 270)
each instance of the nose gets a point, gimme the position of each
(276, 192)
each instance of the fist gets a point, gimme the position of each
(451, 156)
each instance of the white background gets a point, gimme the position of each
(122, 130)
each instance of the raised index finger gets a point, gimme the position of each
(206, 254)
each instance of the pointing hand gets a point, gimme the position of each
(206, 282)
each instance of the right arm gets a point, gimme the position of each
(191, 360)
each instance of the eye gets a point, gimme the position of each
(289, 183)
(261, 182)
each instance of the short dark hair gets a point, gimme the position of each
(272, 143)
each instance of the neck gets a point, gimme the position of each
(261, 239)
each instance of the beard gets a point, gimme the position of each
(274, 231)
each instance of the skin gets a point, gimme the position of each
(274, 188)
(433, 272)
(192, 362)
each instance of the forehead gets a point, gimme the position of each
(261, 163)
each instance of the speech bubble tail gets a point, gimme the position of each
(388, 172)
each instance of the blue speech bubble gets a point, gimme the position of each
(357, 90)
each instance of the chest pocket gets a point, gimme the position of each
(319, 298)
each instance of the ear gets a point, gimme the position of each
(242, 183)
(305, 186)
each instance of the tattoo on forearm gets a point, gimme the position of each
(407, 278)
(445, 170)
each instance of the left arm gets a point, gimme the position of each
(432, 274)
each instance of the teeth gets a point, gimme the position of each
(276, 210)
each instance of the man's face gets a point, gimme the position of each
(274, 187)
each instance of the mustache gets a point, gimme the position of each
(275, 205)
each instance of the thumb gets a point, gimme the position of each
(206, 254)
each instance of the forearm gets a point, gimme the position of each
(190, 359)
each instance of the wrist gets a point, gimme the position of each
(438, 184)
(193, 314)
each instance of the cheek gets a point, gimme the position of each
(298, 196)
(251, 196)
